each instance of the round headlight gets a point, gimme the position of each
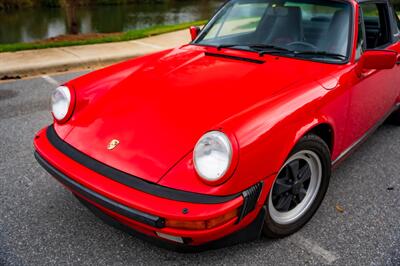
(61, 103)
(213, 156)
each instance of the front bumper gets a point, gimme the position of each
(146, 211)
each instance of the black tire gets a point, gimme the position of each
(395, 118)
(312, 143)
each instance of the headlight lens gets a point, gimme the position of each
(213, 156)
(61, 102)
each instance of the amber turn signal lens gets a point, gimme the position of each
(202, 225)
(189, 225)
(222, 219)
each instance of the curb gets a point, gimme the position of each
(51, 60)
(64, 66)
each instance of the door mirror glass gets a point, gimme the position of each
(194, 32)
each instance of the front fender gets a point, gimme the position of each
(266, 134)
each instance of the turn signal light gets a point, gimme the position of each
(202, 225)
(222, 219)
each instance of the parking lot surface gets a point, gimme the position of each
(41, 223)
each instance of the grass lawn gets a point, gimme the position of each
(118, 37)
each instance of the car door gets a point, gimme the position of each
(396, 44)
(373, 94)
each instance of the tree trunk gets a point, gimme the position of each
(71, 16)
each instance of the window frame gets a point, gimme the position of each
(389, 21)
(395, 23)
(362, 28)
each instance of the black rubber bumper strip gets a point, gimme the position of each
(130, 180)
(99, 199)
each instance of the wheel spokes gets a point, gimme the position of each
(302, 194)
(294, 169)
(296, 200)
(289, 189)
(284, 202)
(304, 174)
(281, 187)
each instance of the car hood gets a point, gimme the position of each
(158, 107)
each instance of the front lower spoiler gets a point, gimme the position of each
(250, 233)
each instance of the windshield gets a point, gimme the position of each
(307, 28)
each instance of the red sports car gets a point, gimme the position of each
(235, 134)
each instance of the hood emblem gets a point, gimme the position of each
(114, 143)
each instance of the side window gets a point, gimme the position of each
(396, 13)
(398, 20)
(360, 38)
(377, 24)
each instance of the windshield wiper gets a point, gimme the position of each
(321, 53)
(260, 48)
(263, 49)
(268, 48)
(219, 47)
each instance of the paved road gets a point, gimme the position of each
(41, 223)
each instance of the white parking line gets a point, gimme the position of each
(149, 45)
(50, 80)
(313, 247)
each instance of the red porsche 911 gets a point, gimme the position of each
(234, 135)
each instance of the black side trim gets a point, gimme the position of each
(103, 201)
(364, 137)
(255, 61)
(130, 180)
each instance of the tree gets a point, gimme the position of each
(71, 16)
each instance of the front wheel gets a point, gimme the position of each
(299, 188)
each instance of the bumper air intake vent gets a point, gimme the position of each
(250, 196)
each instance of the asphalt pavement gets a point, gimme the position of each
(41, 223)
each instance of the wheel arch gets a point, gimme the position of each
(326, 132)
(321, 128)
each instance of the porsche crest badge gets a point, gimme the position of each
(113, 144)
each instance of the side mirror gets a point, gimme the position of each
(194, 32)
(377, 59)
